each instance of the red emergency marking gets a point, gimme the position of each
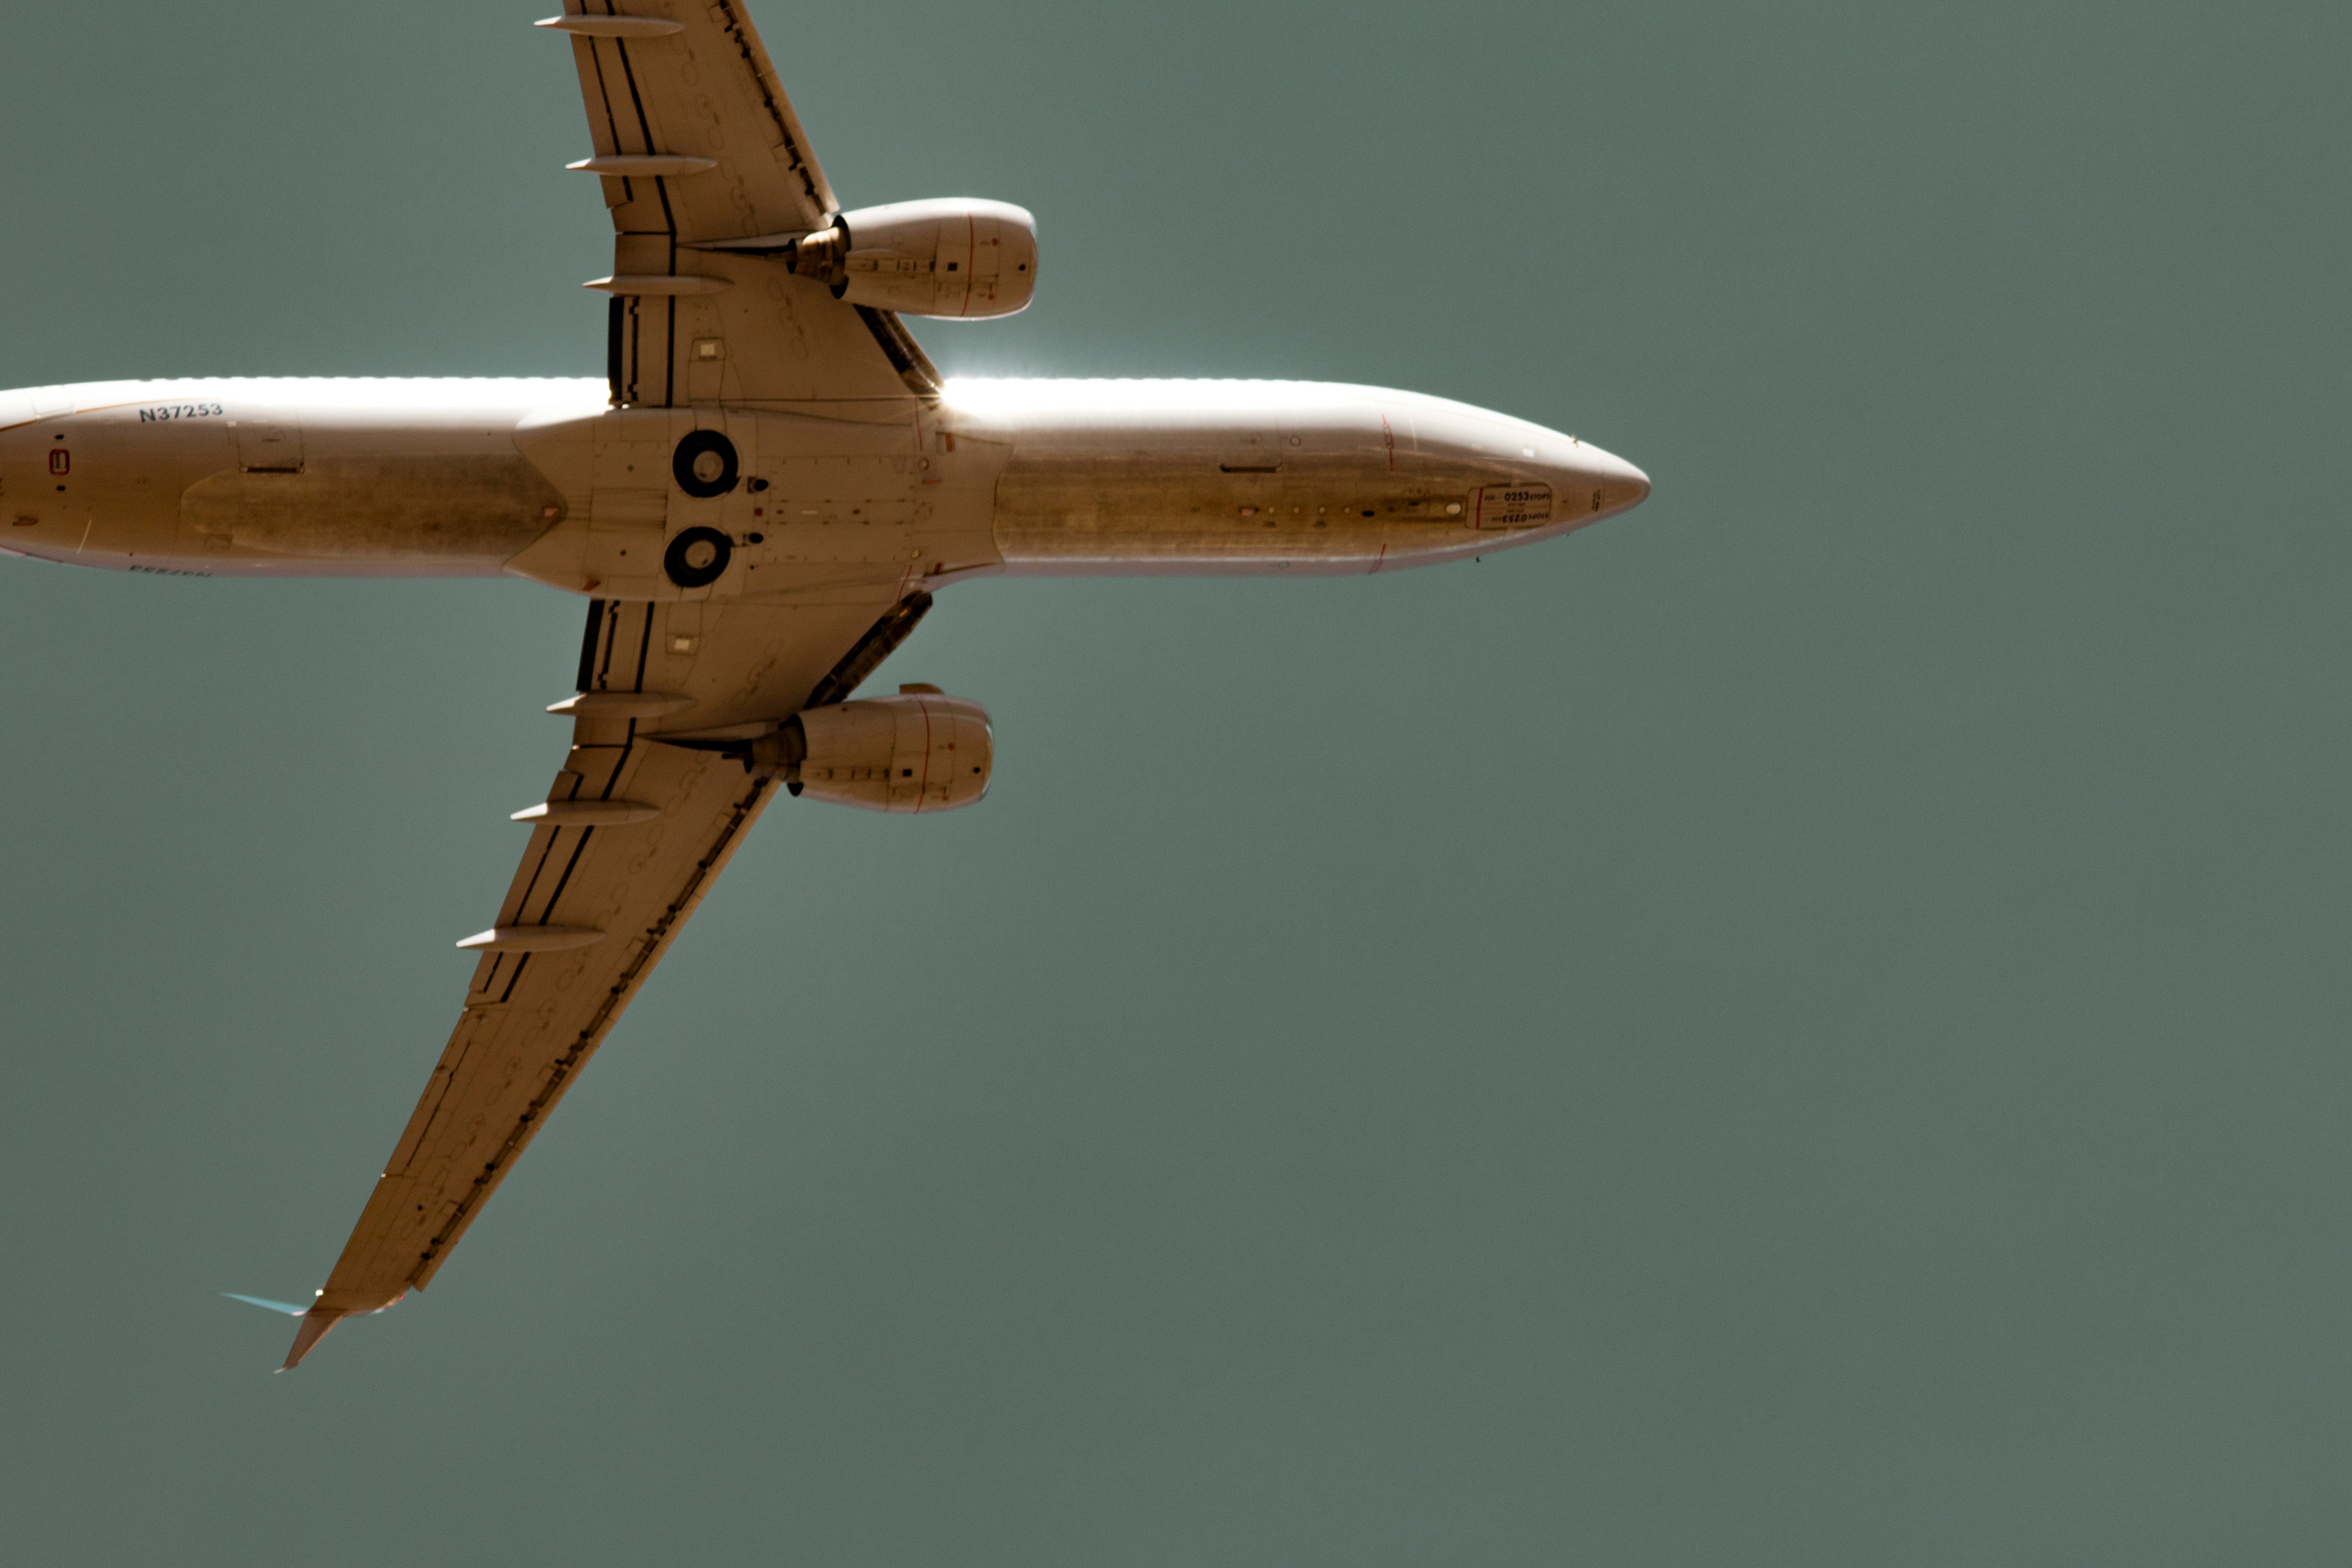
(60, 462)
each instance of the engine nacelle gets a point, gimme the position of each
(921, 750)
(955, 257)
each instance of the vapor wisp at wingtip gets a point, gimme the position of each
(316, 1321)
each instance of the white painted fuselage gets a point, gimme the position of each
(544, 479)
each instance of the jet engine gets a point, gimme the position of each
(957, 257)
(921, 750)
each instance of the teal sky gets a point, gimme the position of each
(1804, 1026)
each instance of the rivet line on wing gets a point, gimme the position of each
(739, 30)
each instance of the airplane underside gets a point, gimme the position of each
(758, 504)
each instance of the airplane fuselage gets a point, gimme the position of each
(544, 479)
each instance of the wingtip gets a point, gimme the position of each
(315, 1324)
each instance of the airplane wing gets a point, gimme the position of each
(634, 829)
(696, 146)
(703, 164)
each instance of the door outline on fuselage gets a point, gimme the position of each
(268, 445)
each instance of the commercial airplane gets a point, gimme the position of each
(757, 503)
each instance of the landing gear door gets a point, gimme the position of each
(716, 483)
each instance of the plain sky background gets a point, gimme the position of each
(1804, 1026)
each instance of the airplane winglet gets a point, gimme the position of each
(315, 1324)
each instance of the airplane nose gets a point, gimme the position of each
(1629, 489)
(1617, 485)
